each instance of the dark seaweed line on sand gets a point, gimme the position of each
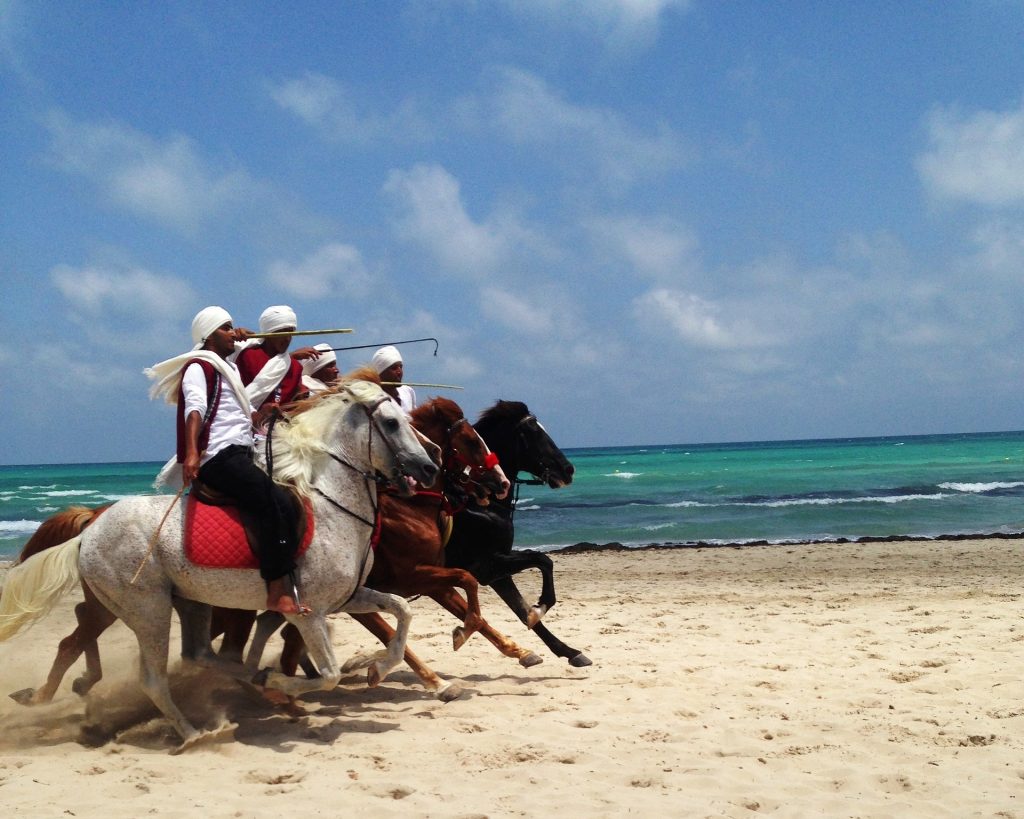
(614, 546)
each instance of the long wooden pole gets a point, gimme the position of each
(418, 384)
(301, 333)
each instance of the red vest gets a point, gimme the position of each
(213, 388)
(252, 359)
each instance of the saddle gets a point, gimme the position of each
(218, 536)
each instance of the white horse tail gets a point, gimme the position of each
(34, 587)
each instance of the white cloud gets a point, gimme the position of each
(693, 320)
(526, 110)
(335, 269)
(623, 23)
(433, 215)
(326, 104)
(659, 248)
(977, 159)
(104, 294)
(516, 311)
(162, 180)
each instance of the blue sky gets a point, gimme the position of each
(653, 221)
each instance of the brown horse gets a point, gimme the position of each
(409, 557)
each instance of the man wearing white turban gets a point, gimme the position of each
(388, 362)
(270, 375)
(321, 372)
(215, 444)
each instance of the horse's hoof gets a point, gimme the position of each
(448, 692)
(82, 686)
(535, 615)
(260, 678)
(530, 659)
(459, 637)
(580, 660)
(373, 677)
(24, 697)
(225, 731)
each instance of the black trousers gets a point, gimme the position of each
(233, 472)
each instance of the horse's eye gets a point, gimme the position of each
(391, 425)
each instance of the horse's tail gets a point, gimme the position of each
(34, 587)
(59, 528)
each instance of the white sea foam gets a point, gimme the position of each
(67, 493)
(13, 528)
(654, 527)
(775, 504)
(527, 508)
(626, 475)
(980, 487)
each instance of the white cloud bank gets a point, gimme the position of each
(336, 269)
(975, 158)
(162, 180)
(432, 214)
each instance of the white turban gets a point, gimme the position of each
(277, 318)
(206, 321)
(327, 356)
(384, 358)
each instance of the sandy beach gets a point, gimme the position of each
(864, 680)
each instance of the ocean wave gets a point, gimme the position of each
(67, 493)
(775, 503)
(626, 475)
(527, 508)
(15, 528)
(977, 488)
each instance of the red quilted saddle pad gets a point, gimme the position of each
(214, 536)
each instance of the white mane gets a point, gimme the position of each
(299, 444)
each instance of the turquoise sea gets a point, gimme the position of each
(774, 491)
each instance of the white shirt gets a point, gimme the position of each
(407, 398)
(231, 425)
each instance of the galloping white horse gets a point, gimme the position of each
(332, 452)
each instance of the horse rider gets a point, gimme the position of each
(215, 445)
(272, 377)
(388, 362)
(320, 373)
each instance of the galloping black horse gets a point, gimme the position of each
(481, 540)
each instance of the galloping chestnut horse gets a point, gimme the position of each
(481, 540)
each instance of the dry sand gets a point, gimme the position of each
(828, 680)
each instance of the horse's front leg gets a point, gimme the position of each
(378, 664)
(316, 636)
(439, 583)
(444, 690)
(503, 566)
(507, 590)
(454, 603)
(267, 623)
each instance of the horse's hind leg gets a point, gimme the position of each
(507, 590)
(93, 619)
(457, 606)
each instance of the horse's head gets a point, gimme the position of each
(523, 444)
(358, 425)
(466, 460)
(394, 449)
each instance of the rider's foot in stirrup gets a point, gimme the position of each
(282, 597)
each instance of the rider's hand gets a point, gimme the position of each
(305, 352)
